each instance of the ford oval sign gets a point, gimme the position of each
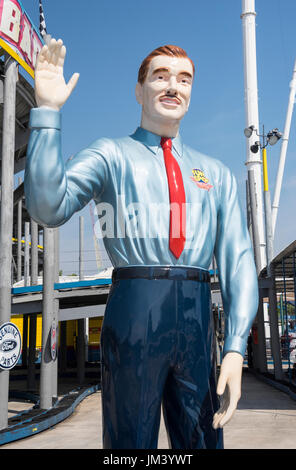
(10, 345)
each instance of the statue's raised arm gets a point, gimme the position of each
(55, 190)
(51, 90)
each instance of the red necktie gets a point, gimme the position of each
(177, 199)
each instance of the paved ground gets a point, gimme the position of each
(265, 419)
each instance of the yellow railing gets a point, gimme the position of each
(23, 241)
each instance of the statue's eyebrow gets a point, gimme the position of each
(160, 69)
(187, 74)
(165, 69)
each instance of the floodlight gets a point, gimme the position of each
(255, 147)
(273, 136)
(249, 131)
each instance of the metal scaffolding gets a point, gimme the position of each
(277, 338)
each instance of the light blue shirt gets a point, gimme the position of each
(127, 179)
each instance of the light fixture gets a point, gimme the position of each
(249, 131)
(273, 136)
(255, 147)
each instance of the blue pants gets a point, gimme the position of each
(157, 348)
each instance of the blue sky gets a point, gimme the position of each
(106, 42)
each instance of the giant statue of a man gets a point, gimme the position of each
(157, 338)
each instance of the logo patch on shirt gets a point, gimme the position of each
(200, 179)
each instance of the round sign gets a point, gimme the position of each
(293, 356)
(10, 345)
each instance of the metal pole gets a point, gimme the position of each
(81, 277)
(285, 139)
(48, 315)
(56, 311)
(274, 327)
(33, 320)
(286, 318)
(25, 341)
(34, 253)
(255, 233)
(31, 380)
(81, 321)
(253, 161)
(81, 351)
(6, 223)
(257, 255)
(294, 282)
(261, 356)
(81, 248)
(56, 254)
(282, 314)
(249, 219)
(19, 236)
(268, 216)
(268, 228)
(27, 255)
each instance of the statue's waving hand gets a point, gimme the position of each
(51, 90)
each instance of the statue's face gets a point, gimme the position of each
(165, 94)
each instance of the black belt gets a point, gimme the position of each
(161, 272)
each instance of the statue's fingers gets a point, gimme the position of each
(224, 403)
(41, 57)
(62, 55)
(221, 384)
(217, 419)
(51, 50)
(57, 52)
(231, 409)
(47, 55)
(226, 417)
(73, 82)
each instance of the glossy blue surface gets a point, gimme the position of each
(157, 349)
(119, 173)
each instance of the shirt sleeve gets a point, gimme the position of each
(236, 267)
(55, 190)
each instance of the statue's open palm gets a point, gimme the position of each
(50, 87)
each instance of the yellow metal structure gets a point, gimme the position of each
(16, 57)
(94, 332)
(265, 173)
(23, 241)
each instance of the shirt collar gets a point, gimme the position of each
(152, 141)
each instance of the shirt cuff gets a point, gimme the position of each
(235, 344)
(45, 118)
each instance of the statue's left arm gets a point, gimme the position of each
(239, 290)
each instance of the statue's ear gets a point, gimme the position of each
(139, 93)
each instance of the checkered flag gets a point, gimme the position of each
(42, 25)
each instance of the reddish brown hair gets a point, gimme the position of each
(169, 50)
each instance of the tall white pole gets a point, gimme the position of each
(285, 139)
(253, 160)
